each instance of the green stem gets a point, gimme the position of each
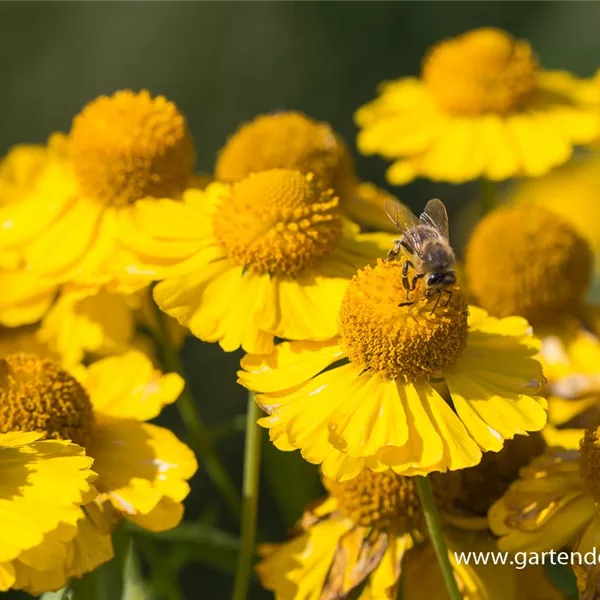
(437, 539)
(252, 449)
(192, 419)
(488, 196)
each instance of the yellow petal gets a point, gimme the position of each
(128, 386)
(290, 364)
(138, 464)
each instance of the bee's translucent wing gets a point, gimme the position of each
(406, 222)
(435, 216)
(400, 215)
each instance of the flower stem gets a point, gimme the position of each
(488, 196)
(192, 419)
(437, 539)
(252, 450)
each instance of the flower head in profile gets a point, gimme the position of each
(481, 107)
(369, 532)
(142, 468)
(292, 140)
(541, 272)
(572, 192)
(555, 504)
(66, 222)
(416, 388)
(39, 517)
(240, 264)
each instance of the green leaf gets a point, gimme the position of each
(201, 543)
(134, 585)
(564, 579)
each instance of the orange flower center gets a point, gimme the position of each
(131, 146)
(482, 71)
(410, 342)
(37, 395)
(279, 222)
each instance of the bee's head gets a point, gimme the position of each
(441, 279)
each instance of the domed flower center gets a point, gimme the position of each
(279, 222)
(408, 342)
(288, 140)
(525, 260)
(484, 484)
(130, 146)
(589, 462)
(380, 500)
(37, 395)
(482, 71)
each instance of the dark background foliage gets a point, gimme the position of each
(222, 63)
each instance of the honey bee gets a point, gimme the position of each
(425, 242)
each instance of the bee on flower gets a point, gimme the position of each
(410, 383)
(481, 107)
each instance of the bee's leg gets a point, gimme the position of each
(437, 301)
(406, 303)
(450, 294)
(415, 279)
(406, 246)
(405, 283)
(395, 251)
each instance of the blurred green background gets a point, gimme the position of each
(222, 63)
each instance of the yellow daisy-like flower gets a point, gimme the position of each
(482, 107)
(39, 518)
(571, 191)
(542, 273)
(555, 504)
(367, 534)
(142, 469)
(408, 387)
(292, 140)
(67, 224)
(269, 256)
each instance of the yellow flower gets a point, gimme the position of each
(292, 140)
(541, 272)
(482, 107)
(268, 256)
(87, 321)
(367, 534)
(39, 517)
(142, 469)
(66, 224)
(555, 504)
(571, 191)
(414, 388)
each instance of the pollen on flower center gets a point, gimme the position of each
(279, 222)
(484, 484)
(130, 146)
(379, 500)
(589, 461)
(37, 395)
(481, 71)
(408, 342)
(525, 260)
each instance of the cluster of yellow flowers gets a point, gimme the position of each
(112, 249)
